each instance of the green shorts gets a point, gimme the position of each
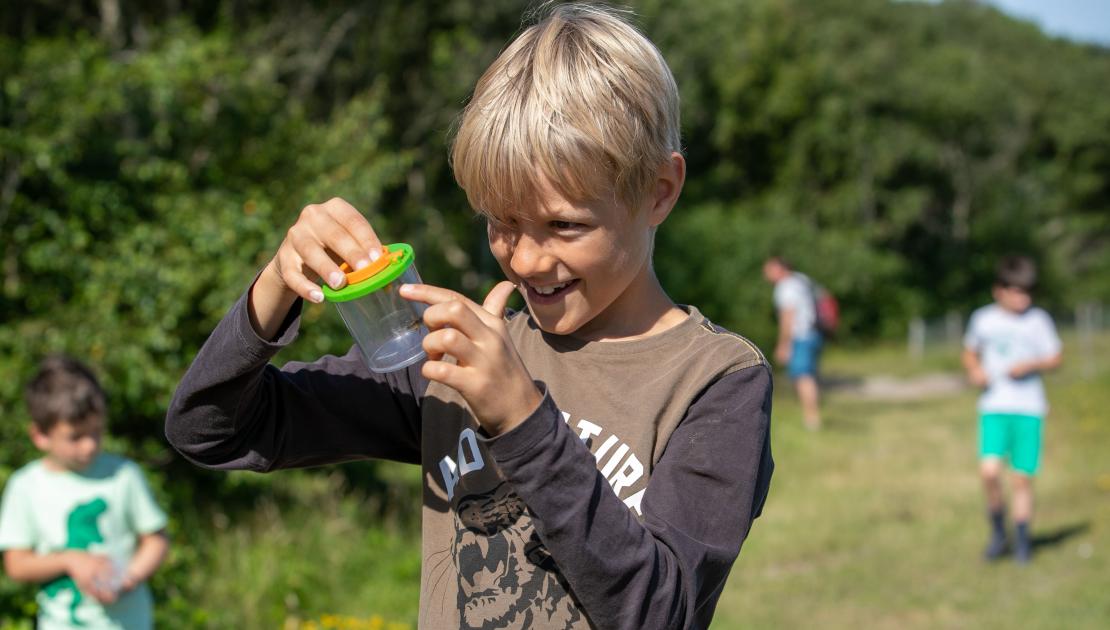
(1011, 436)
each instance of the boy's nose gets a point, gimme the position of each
(529, 258)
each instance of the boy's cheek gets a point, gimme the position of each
(507, 271)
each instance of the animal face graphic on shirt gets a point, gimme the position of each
(507, 578)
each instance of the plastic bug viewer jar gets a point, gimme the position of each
(387, 328)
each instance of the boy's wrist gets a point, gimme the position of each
(272, 286)
(531, 401)
(131, 579)
(271, 276)
(269, 301)
(68, 558)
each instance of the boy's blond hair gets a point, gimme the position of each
(582, 99)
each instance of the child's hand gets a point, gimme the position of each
(978, 377)
(488, 371)
(323, 236)
(129, 582)
(92, 573)
(1022, 369)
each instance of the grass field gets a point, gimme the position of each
(874, 522)
(878, 521)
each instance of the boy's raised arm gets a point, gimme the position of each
(709, 485)
(233, 410)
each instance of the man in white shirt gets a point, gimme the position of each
(799, 339)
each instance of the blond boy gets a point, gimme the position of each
(594, 461)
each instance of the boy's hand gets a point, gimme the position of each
(1022, 369)
(323, 236)
(488, 372)
(978, 377)
(92, 573)
(129, 583)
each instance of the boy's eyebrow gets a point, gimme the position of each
(85, 425)
(569, 207)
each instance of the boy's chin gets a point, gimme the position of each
(79, 466)
(556, 327)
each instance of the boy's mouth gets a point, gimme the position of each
(549, 293)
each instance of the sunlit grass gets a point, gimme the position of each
(344, 622)
(878, 520)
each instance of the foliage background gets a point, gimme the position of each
(153, 153)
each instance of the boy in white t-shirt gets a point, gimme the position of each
(1007, 346)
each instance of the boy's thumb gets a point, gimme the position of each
(498, 298)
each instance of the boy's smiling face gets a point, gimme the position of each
(584, 268)
(70, 446)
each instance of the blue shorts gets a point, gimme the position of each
(804, 353)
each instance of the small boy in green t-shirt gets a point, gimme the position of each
(80, 523)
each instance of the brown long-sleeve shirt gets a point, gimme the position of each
(621, 502)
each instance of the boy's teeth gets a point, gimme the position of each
(549, 290)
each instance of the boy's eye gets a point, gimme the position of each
(564, 225)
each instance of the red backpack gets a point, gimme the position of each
(828, 312)
(826, 308)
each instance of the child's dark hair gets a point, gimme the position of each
(1017, 272)
(64, 389)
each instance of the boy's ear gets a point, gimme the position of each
(668, 185)
(38, 438)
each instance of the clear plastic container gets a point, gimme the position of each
(112, 580)
(387, 328)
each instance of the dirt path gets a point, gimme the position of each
(879, 387)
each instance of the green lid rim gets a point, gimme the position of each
(375, 282)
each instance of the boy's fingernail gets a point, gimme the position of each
(316, 296)
(375, 254)
(361, 264)
(335, 279)
(406, 288)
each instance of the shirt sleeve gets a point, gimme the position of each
(1048, 338)
(709, 485)
(144, 514)
(233, 410)
(17, 529)
(972, 339)
(795, 292)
